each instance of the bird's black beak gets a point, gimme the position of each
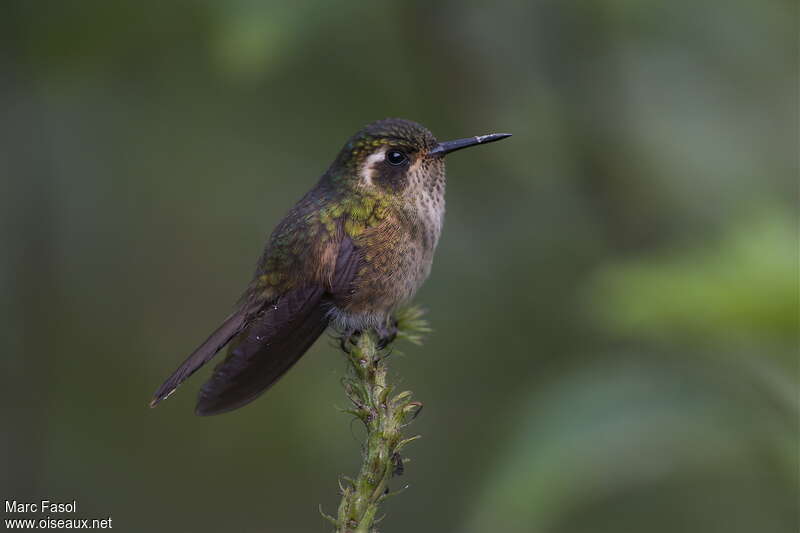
(451, 146)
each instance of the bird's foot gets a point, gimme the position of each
(349, 339)
(387, 333)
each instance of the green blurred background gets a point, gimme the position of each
(615, 296)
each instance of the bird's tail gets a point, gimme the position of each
(269, 346)
(229, 329)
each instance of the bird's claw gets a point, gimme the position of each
(348, 339)
(387, 334)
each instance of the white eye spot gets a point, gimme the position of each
(366, 168)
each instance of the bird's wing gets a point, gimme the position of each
(275, 340)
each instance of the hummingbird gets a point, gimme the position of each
(354, 248)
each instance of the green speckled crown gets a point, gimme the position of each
(395, 131)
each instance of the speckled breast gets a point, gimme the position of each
(396, 259)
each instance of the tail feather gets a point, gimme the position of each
(266, 340)
(269, 347)
(229, 329)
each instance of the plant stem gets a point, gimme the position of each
(384, 415)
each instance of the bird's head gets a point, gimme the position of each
(396, 156)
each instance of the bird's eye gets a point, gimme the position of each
(396, 157)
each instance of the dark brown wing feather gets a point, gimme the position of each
(348, 263)
(229, 329)
(275, 340)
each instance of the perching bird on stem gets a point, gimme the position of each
(354, 248)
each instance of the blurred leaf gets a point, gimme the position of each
(672, 443)
(743, 285)
(251, 36)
